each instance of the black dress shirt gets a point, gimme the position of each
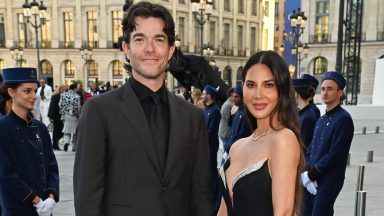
(149, 100)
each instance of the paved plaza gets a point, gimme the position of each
(373, 179)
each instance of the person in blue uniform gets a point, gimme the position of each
(212, 120)
(330, 146)
(314, 84)
(239, 124)
(304, 92)
(29, 175)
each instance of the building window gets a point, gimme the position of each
(93, 69)
(253, 40)
(241, 6)
(117, 17)
(227, 6)
(253, 8)
(69, 69)
(227, 75)
(276, 9)
(69, 37)
(239, 77)
(181, 1)
(226, 39)
(46, 38)
(182, 31)
(197, 37)
(46, 67)
(240, 40)
(92, 34)
(23, 63)
(2, 31)
(22, 30)
(117, 71)
(212, 32)
(321, 21)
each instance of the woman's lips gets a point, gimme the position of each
(259, 106)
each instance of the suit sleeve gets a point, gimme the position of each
(340, 140)
(202, 195)
(89, 168)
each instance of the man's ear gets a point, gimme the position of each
(126, 49)
(171, 51)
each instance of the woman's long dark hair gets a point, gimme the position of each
(285, 108)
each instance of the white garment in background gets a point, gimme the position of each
(44, 103)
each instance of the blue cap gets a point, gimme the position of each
(19, 75)
(314, 81)
(210, 90)
(301, 82)
(337, 77)
(238, 90)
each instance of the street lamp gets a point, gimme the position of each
(209, 52)
(86, 54)
(204, 9)
(298, 49)
(17, 54)
(38, 12)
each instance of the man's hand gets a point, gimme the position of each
(44, 208)
(307, 183)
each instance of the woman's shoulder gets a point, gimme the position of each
(284, 138)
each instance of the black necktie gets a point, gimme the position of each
(42, 92)
(159, 132)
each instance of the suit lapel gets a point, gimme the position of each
(176, 113)
(133, 111)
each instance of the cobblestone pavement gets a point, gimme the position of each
(373, 179)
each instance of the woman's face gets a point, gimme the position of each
(260, 91)
(24, 96)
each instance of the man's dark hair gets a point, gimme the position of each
(146, 10)
(230, 92)
(73, 86)
(305, 92)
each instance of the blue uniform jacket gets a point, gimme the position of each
(240, 128)
(307, 124)
(28, 166)
(315, 109)
(330, 146)
(212, 118)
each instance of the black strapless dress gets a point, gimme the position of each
(252, 190)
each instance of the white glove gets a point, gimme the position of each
(44, 208)
(312, 187)
(305, 179)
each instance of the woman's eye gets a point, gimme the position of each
(269, 85)
(249, 85)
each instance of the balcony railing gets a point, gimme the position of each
(66, 45)
(320, 38)
(241, 53)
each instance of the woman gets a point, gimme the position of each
(196, 97)
(29, 176)
(261, 175)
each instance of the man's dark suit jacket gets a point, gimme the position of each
(117, 170)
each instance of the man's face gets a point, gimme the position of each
(148, 50)
(42, 83)
(237, 99)
(330, 93)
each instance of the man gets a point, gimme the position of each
(330, 146)
(224, 127)
(212, 120)
(69, 105)
(143, 150)
(239, 124)
(55, 117)
(44, 94)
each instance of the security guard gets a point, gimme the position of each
(29, 175)
(314, 84)
(330, 146)
(212, 118)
